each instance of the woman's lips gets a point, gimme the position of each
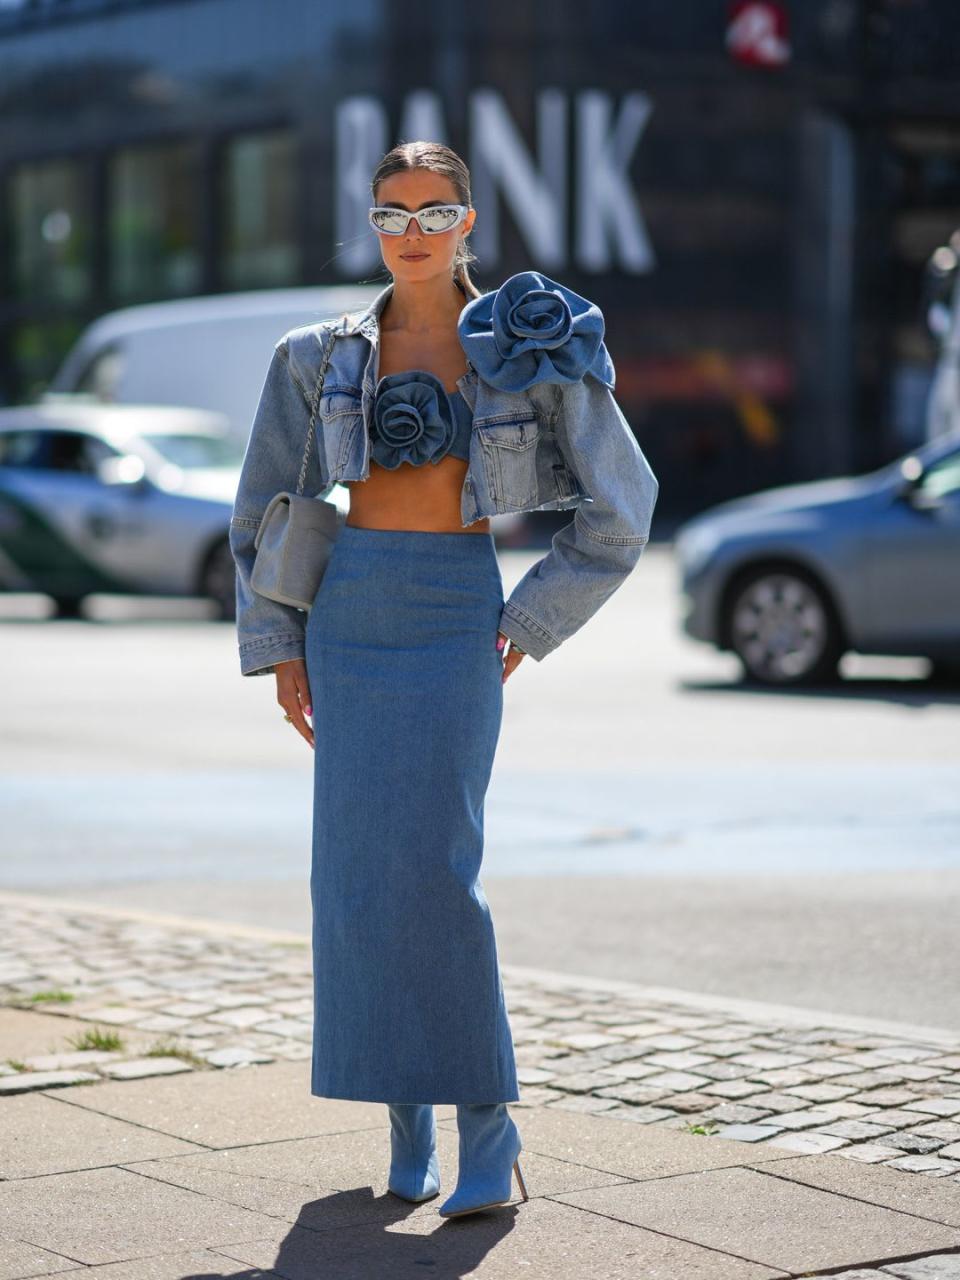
(414, 257)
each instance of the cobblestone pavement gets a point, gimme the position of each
(186, 997)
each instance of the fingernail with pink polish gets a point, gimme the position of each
(500, 642)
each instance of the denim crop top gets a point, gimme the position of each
(463, 415)
(416, 420)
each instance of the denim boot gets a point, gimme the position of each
(414, 1169)
(489, 1147)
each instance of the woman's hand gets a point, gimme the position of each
(514, 656)
(293, 694)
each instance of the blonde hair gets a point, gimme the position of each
(438, 158)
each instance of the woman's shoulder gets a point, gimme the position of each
(531, 330)
(312, 335)
(306, 345)
(304, 349)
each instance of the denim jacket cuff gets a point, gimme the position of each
(529, 635)
(257, 657)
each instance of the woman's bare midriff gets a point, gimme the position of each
(425, 498)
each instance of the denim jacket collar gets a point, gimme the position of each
(367, 322)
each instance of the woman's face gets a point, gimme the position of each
(415, 256)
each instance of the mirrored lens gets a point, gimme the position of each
(392, 221)
(439, 218)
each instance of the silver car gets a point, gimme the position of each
(791, 578)
(129, 499)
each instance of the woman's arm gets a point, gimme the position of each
(590, 557)
(534, 332)
(269, 632)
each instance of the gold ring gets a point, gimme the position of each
(289, 719)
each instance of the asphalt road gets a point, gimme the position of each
(648, 819)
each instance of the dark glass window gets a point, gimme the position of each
(155, 214)
(258, 199)
(50, 251)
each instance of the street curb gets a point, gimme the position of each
(750, 1010)
(43, 902)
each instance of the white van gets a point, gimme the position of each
(208, 353)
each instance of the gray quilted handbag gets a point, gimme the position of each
(296, 534)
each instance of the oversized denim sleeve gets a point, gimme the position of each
(269, 632)
(592, 555)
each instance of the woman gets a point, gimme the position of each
(435, 420)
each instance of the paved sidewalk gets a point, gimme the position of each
(157, 1123)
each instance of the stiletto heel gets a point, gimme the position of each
(490, 1147)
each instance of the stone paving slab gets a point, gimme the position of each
(40, 1134)
(110, 1215)
(19, 1260)
(30, 1081)
(767, 1220)
(927, 1269)
(192, 1264)
(931, 1198)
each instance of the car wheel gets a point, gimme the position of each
(68, 606)
(220, 580)
(782, 627)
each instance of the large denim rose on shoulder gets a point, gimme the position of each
(412, 419)
(531, 330)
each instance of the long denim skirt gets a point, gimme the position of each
(405, 681)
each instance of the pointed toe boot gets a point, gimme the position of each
(414, 1168)
(489, 1149)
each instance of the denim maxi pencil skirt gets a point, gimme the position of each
(405, 680)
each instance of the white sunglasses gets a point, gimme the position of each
(431, 221)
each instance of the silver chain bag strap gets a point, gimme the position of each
(296, 534)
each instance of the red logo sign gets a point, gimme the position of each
(757, 33)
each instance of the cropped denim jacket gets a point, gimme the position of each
(547, 435)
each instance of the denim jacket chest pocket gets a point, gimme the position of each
(508, 452)
(523, 464)
(341, 423)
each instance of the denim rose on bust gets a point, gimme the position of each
(412, 419)
(533, 329)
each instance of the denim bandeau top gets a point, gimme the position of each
(464, 420)
(416, 420)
